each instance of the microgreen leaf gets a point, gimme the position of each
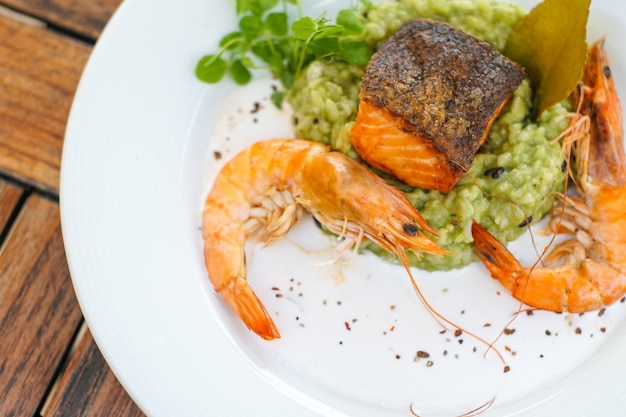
(244, 6)
(277, 98)
(350, 22)
(255, 7)
(240, 73)
(247, 61)
(232, 40)
(287, 79)
(329, 31)
(325, 47)
(211, 68)
(263, 49)
(250, 26)
(304, 28)
(277, 24)
(264, 41)
(276, 64)
(355, 51)
(266, 5)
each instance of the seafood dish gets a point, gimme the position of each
(408, 93)
(518, 162)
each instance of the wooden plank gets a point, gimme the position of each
(39, 72)
(9, 197)
(88, 387)
(86, 18)
(39, 313)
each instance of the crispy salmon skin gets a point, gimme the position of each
(428, 99)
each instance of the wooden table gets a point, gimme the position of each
(49, 364)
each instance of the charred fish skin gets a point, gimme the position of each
(441, 86)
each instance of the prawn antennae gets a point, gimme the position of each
(472, 413)
(540, 255)
(440, 317)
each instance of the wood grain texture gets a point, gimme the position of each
(85, 18)
(9, 197)
(89, 388)
(39, 72)
(39, 313)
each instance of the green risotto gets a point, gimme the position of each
(515, 173)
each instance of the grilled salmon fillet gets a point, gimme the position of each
(428, 99)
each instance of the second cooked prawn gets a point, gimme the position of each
(592, 272)
(264, 189)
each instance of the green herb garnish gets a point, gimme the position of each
(266, 40)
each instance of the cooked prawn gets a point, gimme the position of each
(588, 271)
(264, 189)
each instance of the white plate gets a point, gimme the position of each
(137, 158)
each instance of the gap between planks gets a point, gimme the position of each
(21, 17)
(80, 334)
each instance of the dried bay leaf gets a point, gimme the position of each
(550, 43)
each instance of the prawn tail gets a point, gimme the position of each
(242, 299)
(501, 263)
